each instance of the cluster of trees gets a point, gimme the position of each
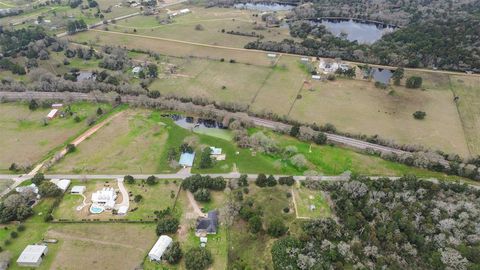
(167, 223)
(198, 258)
(76, 26)
(15, 68)
(13, 41)
(116, 58)
(15, 207)
(389, 224)
(205, 159)
(195, 182)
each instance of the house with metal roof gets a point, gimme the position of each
(207, 225)
(186, 159)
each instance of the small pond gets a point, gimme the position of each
(264, 6)
(362, 32)
(203, 126)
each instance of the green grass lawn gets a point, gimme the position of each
(305, 197)
(155, 198)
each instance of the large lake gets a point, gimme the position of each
(365, 33)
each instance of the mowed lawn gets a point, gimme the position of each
(467, 88)
(357, 106)
(130, 143)
(25, 140)
(214, 80)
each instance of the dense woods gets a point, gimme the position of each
(385, 224)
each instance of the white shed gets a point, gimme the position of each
(32, 255)
(52, 114)
(62, 184)
(159, 248)
(78, 189)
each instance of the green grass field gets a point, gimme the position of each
(305, 198)
(131, 143)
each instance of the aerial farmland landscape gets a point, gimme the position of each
(239, 135)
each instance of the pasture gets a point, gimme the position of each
(130, 143)
(100, 246)
(215, 23)
(356, 106)
(25, 139)
(468, 91)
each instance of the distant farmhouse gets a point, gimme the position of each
(207, 225)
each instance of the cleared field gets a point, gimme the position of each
(306, 198)
(280, 90)
(215, 80)
(101, 246)
(215, 22)
(358, 107)
(171, 47)
(131, 143)
(155, 198)
(468, 91)
(25, 139)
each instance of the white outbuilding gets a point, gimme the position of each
(78, 189)
(32, 255)
(62, 184)
(159, 248)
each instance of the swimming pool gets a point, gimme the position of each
(96, 209)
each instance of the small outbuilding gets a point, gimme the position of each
(159, 248)
(122, 210)
(32, 255)
(216, 153)
(78, 189)
(316, 77)
(186, 159)
(62, 184)
(32, 187)
(52, 114)
(57, 106)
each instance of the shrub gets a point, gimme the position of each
(151, 180)
(321, 138)
(286, 180)
(271, 181)
(276, 228)
(21, 228)
(129, 179)
(38, 178)
(414, 82)
(137, 198)
(261, 180)
(202, 195)
(286, 209)
(419, 115)
(14, 234)
(255, 224)
(71, 148)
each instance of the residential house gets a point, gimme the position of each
(207, 225)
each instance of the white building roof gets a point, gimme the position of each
(31, 187)
(52, 113)
(57, 105)
(271, 55)
(78, 189)
(105, 195)
(185, 10)
(216, 151)
(316, 77)
(203, 239)
(32, 254)
(122, 210)
(159, 248)
(62, 184)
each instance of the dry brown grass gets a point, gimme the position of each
(358, 107)
(468, 90)
(101, 246)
